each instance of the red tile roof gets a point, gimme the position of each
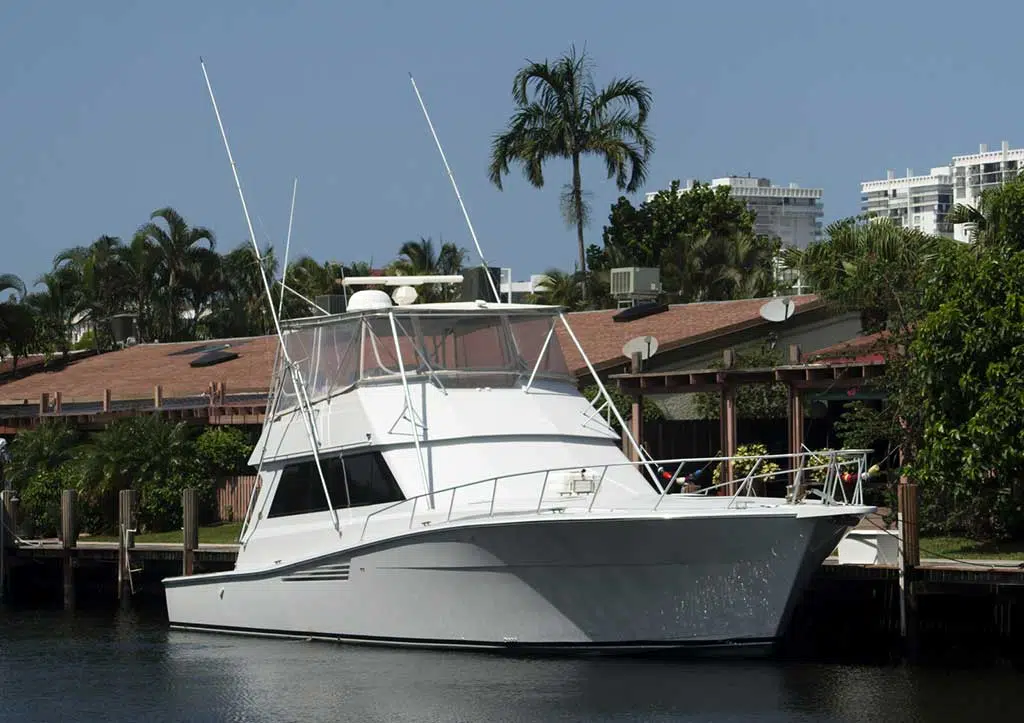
(681, 325)
(133, 372)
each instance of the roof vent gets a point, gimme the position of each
(213, 357)
(639, 311)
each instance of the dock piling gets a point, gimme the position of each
(190, 527)
(126, 505)
(68, 543)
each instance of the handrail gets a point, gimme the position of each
(833, 467)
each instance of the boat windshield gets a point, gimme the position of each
(491, 348)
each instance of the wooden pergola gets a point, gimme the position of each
(799, 378)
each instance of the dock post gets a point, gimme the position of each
(909, 558)
(190, 527)
(68, 543)
(126, 502)
(727, 423)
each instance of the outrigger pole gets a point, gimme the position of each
(287, 248)
(451, 177)
(297, 380)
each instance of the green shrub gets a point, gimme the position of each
(741, 468)
(223, 450)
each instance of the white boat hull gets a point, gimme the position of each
(561, 583)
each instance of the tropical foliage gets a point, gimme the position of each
(560, 113)
(702, 239)
(54, 456)
(951, 327)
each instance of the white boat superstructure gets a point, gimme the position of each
(465, 494)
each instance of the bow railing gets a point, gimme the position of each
(834, 477)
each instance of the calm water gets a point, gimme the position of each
(81, 667)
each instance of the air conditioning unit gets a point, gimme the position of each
(635, 284)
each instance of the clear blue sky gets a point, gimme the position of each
(104, 115)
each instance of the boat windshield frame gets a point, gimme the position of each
(501, 346)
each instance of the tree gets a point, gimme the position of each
(178, 249)
(418, 258)
(559, 288)
(872, 266)
(11, 318)
(560, 113)
(93, 277)
(702, 239)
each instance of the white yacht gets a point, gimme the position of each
(430, 476)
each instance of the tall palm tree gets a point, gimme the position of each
(560, 113)
(177, 246)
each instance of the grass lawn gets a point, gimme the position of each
(224, 533)
(962, 548)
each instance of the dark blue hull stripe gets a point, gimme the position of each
(626, 646)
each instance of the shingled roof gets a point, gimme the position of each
(132, 373)
(681, 325)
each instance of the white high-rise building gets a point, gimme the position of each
(920, 202)
(792, 213)
(979, 171)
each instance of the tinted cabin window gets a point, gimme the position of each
(370, 482)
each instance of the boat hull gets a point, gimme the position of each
(592, 584)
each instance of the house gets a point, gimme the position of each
(235, 387)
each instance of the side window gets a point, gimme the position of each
(370, 482)
(300, 491)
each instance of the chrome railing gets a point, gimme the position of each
(835, 477)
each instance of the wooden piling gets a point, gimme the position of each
(126, 505)
(158, 396)
(909, 560)
(106, 400)
(727, 424)
(69, 543)
(190, 527)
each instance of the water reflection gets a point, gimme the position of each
(130, 668)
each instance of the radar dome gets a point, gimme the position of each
(369, 299)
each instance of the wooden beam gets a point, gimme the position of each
(158, 396)
(106, 400)
(795, 409)
(727, 433)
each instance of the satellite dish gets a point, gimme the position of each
(778, 309)
(647, 346)
(404, 295)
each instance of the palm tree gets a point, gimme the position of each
(418, 258)
(177, 247)
(12, 283)
(560, 288)
(560, 113)
(16, 320)
(95, 273)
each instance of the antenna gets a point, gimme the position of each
(778, 309)
(287, 246)
(645, 346)
(297, 381)
(451, 177)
